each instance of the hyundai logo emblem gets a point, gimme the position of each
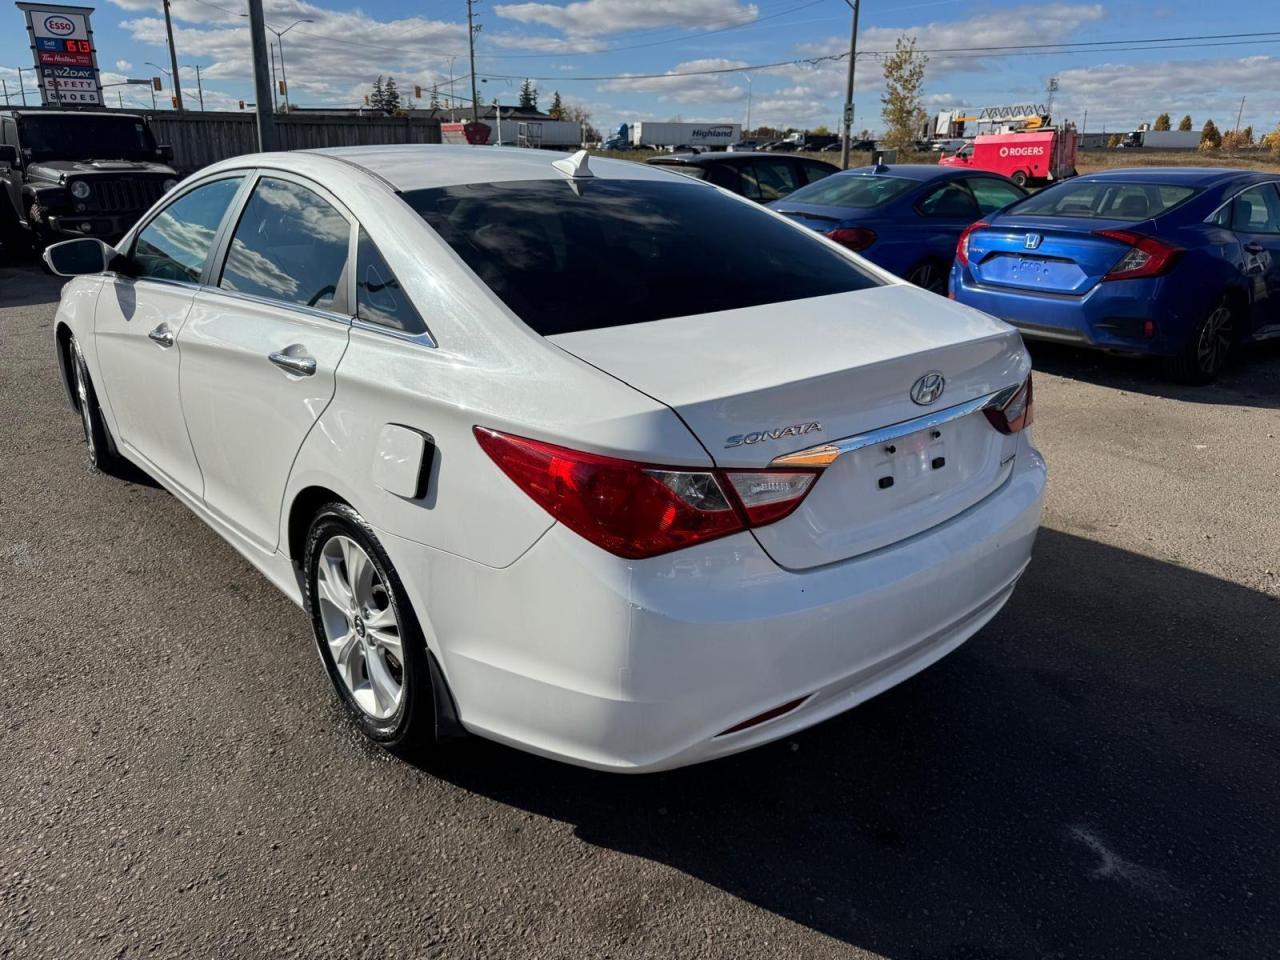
(928, 388)
(1032, 240)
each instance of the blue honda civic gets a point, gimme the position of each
(906, 218)
(1179, 263)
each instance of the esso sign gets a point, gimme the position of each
(59, 26)
(1021, 151)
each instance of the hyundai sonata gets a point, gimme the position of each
(580, 455)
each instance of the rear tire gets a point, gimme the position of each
(1020, 178)
(929, 275)
(101, 449)
(368, 636)
(1208, 348)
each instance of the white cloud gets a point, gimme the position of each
(517, 41)
(673, 88)
(124, 65)
(596, 17)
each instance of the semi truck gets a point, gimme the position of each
(1035, 156)
(647, 133)
(1163, 139)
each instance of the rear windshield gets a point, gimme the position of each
(601, 253)
(852, 190)
(1105, 200)
(688, 169)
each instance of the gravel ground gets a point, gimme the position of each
(1094, 775)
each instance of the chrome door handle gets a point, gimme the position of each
(162, 335)
(302, 366)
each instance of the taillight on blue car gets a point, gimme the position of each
(1146, 256)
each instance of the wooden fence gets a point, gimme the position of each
(201, 138)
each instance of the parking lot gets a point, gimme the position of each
(1095, 774)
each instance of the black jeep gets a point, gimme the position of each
(69, 173)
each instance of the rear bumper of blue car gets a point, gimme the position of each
(1125, 316)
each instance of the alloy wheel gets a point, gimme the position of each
(82, 394)
(927, 276)
(1214, 343)
(360, 627)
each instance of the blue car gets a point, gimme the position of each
(906, 218)
(1179, 263)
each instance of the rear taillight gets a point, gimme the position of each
(1016, 412)
(855, 238)
(1146, 256)
(639, 510)
(962, 245)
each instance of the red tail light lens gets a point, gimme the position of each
(638, 510)
(1146, 256)
(1016, 414)
(855, 238)
(962, 245)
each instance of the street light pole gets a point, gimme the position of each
(471, 38)
(261, 81)
(173, 59)
(199, 88)
(284, 77)
(847, 119)
(747, 130)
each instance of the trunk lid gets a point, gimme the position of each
(816, 216)
(1048, 254)
(757, 383)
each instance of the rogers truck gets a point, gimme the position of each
(1037, 156)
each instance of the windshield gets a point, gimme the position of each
(83, 137)
(1105, 200)
(600, 253)
(852, 190)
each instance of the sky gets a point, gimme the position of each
(623, 60)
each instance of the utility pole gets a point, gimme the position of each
(847, 119)
(173, 58)
(452, 98)
(1240, 113)
(261, 79)
(199, 88)
(275, 104)
(471, 38)
(5, 87)
(747, 129)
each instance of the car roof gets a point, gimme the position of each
(914, 171)
(421, 166)
(1187, 176)
(704, 159)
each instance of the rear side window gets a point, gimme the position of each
(1106, 200)
(1257, 210)
(949, 201)
(601, 253)
(815, 171)
(775, 179)
(994, 194)
(175, 244)
(290, 245)
(853, 190)
(379, 298)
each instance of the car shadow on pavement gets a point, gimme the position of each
(1251, 379)
(1094, 775)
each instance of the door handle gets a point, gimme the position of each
(303, 366)
(162, 335)
(1253, 247)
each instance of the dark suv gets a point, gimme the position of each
(763, 177)
(66, 173)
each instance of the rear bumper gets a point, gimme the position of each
(640, 666)
(1112, 316)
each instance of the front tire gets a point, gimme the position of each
(368, 636)
(1207, 349)
(102, 452)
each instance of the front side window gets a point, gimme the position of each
(290, 245)
(949, 201)
(176, 243)
(1257, 210)
(601, 253)
(379, 297)
(994, 194)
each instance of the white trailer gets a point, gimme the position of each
(1171, 139)
(650, 134)
(563, 134)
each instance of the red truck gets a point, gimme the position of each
(1037, 156)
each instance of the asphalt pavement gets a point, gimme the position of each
(1096, 774)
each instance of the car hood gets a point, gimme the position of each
(57, 169)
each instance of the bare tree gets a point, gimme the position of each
(902, 103)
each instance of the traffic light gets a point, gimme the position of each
(417, 92)
(280, 84)
(241, 104)
(174, 102)
(156, 85)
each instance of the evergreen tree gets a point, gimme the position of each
(1210, 138)
(377, 98)
(528, 95)
(390, 96)
(557, 107)
(435, 99)
(1185, 122)
(1163, 122)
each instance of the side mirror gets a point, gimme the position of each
(76, 258)
(165, 152)
(9, 154)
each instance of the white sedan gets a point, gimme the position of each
(576, 454)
